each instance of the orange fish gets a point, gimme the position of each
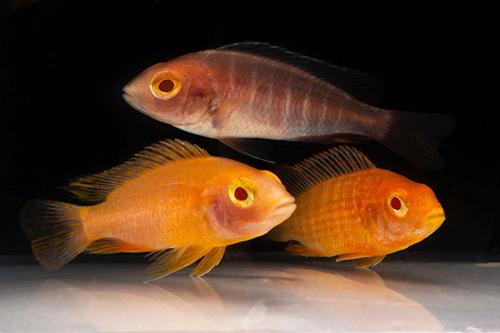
(247, 91)
(347, 207)
(172, 195)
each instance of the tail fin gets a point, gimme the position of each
(415, 136)
(55, 230)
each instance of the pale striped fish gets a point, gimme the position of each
(248, 91)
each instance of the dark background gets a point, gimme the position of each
(63, 63)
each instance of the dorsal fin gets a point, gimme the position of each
(334, 162)
(355, 83)
(95, 188)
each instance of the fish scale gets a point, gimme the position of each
(253, 90)
(344, 208)
(330, 210)
(172, 200)
(313, 107)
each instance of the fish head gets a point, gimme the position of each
(405, 213)
(178, 92)
(247, 203)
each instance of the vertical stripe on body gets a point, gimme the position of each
(328, 217)
(253, 89)
(305, 108)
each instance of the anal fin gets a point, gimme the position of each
(369, 261)
(175, 259)
(350, 256)
(113, 245)
(299, 249)
(208, 262)
(364, 260)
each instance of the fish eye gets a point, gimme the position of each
(397, 205)
(240, 192)
(165, 86)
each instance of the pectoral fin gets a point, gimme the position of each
(256, 148)
(175, 259)
(208, 262)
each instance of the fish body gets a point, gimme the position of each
(347, 207)
(264, 98)
(169, 206)
(237, 93)
(171, 196)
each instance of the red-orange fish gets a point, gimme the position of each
(252, 90)
(173, 195)
(347, 207)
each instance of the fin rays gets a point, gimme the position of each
(95, 188)
(167, 262)
(55, 230)
(331, 163)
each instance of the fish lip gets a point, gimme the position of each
(132, 102)
(282, 211)
(435, 215)
(284, 204)
(432, 221)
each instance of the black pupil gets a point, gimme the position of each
(240, 194)
(166, 86)
(396, 203)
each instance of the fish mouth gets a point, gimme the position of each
(129, 94)
(132, 101)
(283, 210)
(432, 221)
(435, 216)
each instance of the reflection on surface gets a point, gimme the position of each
(357, 300)
(234, 297)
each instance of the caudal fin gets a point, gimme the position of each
(55, 230)
(415, 136)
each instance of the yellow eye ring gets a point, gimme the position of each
(397, 205)
(241, 192)
(165, 85)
